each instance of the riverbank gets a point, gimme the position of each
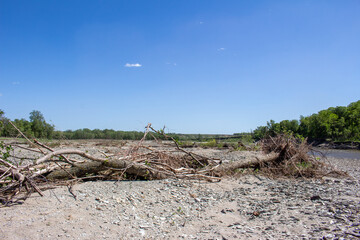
(337, 145)
(245, 207)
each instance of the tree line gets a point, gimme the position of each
(335, 124)
(37, 127)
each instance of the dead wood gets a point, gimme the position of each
(22, 134)
(101, 164)
(286, 156)
(10, 190)
(52, 150)
(79, 170)
(201, 160)
(296, 158)
(228, 168)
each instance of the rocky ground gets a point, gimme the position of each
(246, 207)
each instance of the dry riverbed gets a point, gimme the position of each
(246, 207)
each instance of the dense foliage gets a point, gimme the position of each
(335, 123)
(86, 133)
(37, 126)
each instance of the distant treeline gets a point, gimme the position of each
(37, 127)
(334, 123)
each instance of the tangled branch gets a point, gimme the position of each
(284, 155)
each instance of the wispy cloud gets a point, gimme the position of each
(0, 94)
(133, 65)
(15, 83)
(169, 63)
(221, 49)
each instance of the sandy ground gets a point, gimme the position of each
(248, 207)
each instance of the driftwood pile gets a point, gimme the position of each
(285, 155)
(295, 157)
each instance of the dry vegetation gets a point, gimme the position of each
(285, 156)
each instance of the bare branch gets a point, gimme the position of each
(26, 137)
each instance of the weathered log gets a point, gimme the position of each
(79, 170)
(224, 168)
(101, 164)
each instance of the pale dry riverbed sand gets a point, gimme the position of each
(248, 207)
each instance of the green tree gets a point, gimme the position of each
(2, 117)
(287, 126)
(352, 117)
(24, 126)
(39, 127)
(260, 132)
(3, 123)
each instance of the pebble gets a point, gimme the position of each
(250, 207)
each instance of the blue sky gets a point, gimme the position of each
(194, 66)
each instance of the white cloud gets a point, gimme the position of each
(201, 22)
(221, 49)
(133, 65)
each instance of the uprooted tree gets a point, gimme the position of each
(285, 155)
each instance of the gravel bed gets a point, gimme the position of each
(248, 207)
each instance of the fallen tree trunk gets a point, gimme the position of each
(79, 170)
(101, 164)
(225, 168)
